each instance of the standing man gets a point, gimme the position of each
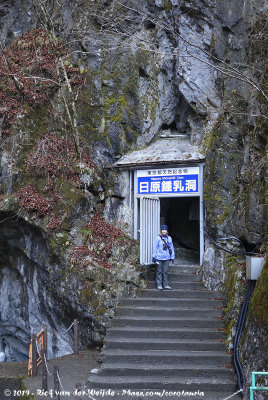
(163, 252)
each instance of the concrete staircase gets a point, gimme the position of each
(168, 340)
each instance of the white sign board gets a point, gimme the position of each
(168, 181)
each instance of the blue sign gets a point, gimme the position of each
(168, 184)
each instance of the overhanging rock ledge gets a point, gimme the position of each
(161, 152)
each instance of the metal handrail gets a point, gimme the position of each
(253, 384)
(237, 364)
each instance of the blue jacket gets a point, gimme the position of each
(159, 253)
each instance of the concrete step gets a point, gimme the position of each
(167, 322)
(191, 263)
(166, 333)
(188, 274)
(183, 276)
(171, 302)
(165, 344)
(201, 359)
(168, 340)
(170, 312)
(179, 293)
(191, 258)
(147, 369)
(182, 269)
(176, 284)
(159, 381)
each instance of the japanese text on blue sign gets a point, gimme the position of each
(163, 183)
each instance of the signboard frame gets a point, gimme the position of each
(168, 181)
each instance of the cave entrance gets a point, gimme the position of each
(182, 215)
(172, 196)
(165, 182)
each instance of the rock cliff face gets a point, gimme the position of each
(122, 75)
(26, 301)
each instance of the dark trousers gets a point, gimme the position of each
(162, 272)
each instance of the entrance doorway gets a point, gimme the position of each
(178, 191)
(181, 215)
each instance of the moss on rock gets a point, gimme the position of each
(234, 291)
(258, 306)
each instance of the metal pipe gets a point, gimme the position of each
(227, 238)
(237, 364)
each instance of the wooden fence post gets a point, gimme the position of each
(76, 337)
(44, 371)
(56, 383)
(45, 341)
(34, 356)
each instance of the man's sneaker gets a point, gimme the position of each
(167, 287)
(159, 287)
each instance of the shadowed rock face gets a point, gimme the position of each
(39, 288)
(27, 302)
(150, 71)
(16, 18)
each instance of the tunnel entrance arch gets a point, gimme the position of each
(169, 170)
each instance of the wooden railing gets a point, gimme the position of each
(38, 355)
(34, 358)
